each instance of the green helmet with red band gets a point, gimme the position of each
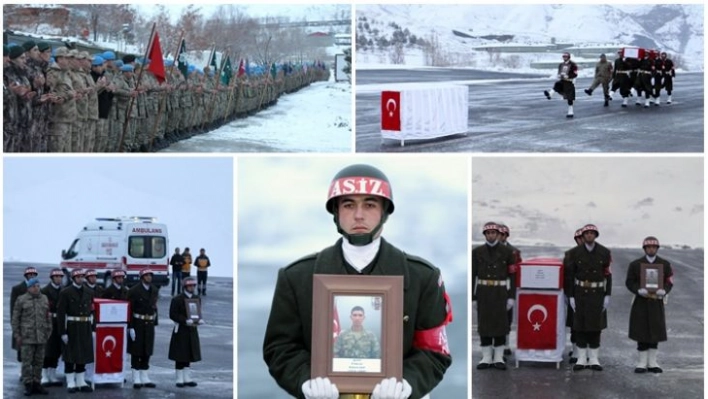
(360, 179)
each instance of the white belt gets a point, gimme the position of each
(143, 316)
(491, 282)
(590, 284)
(78, 318)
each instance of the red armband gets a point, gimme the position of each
(435, 339)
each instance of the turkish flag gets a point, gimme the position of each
(241, 69)
(110, 348)
(537, 321)
(157, 66)
(391, 110)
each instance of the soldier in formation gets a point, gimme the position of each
(16, 292)
(143, 305)
(117, 289)
(94, 103)
(504, 233)
(52, 352)
(565, 86)
(357, 342)
(603, 76)
(185, 348)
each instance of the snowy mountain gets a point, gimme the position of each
(676, 28)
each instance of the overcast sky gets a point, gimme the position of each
(47, 200)
(545, 199)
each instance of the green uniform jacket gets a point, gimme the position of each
(594, 266)
(17, 291)
(143, 302)
(288, 337)
(184, 344)
(647, 321)
(493, 263)
(114, 292)
(31, 321)
(76, 302)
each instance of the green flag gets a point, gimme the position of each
(226, 72)
(213, 62)
(273, 70)
(182, 59)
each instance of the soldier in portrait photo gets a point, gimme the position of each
(357, 342)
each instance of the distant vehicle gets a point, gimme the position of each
(343, 39)
(123, 243)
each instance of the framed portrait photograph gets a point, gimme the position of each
(354, 319)
(651, 277)
(194, 308)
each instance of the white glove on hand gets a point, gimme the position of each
(643, 292)
(660, 293)
(606, 302)
(201, 321)
(572, 303)
(131, 332)
(388, 388)
(93, 335)
(65, 338)
(320, 388)
(189, 322)
(474, 304)
(509, 303)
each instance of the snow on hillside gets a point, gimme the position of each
(678, 29)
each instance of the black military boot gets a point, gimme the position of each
(588, 92)
(29, 389)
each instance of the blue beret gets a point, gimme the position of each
(97, 60)
(32, 281)
(118, 63)
(127, 68)
(109, 56)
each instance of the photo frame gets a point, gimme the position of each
(383, 292)
(194, 308)
(651, 277)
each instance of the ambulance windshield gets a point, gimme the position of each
(150, 247)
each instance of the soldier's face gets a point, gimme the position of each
(79, 280)
(45, 55)
(502, 237)
(118, 280)
(147, 278)
(63, 62)
(357, 317)
(33, 289)
(91, 280)
(33, 53)
(189, 288)
(491, 235)
(579, 240)
(651, 250)
(589, 237)
(56, 280)
(359, 214)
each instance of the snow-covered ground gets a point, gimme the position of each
(314, 119)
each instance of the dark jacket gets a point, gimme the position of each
(202, 263)
(184, 343)
(177, 261)
(594, 267)
(105, 98)
(76, 302)
(647, 320)
(53, 348)
(142, 302)
(493, 263)
(288, 338)
(113, 292)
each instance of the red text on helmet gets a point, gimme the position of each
(359, 185)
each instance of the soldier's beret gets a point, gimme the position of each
(29, 45)
(32, 281)
(61, 52)
(127, 68)
(43, 46)
(109, 56)
(127, 59)
(97, 60)
(118, 63)
(73, 53)
(169, 63)
(16, 51)
(5, 50)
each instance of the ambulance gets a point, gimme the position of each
(129, 243)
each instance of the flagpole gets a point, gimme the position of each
(224, 56)
(163, 95)
(268, 76)
(179, 46)
(137, 84)
(231, 95)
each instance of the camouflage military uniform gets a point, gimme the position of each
(90, 133)
(9, 108)
(32, 325)
(122, 92)
(16, 74)
(39, 124)
(79, 126)
(61, 115)
(357, 345)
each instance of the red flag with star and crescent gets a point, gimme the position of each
(537, 321)
(391, 110)
(110, 349)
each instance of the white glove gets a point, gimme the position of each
(65, 338)
(189, 322)
(660, 293)
(93, 335)
(388, 388)
(474, 304)
(131, 332)
(320, 388)
(643, 292)
(509, 303)
(606, 302)
(572, 303)
(201, 321)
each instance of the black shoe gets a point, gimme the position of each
(38, 388)
(86, 388)
(595, 367)
(655, 370)
(483, 366)
(149, 385)
(573, 360)
(500, 366)
(548, 95)
(578, 367)
(569, 116)
(624, 105)
(640, 370)
(204, 294)
(507, 352)
(179, 385)
(190, 384)
(29, 389)
(607, 104)
(73, 390)
(137, 386)
(588, 92)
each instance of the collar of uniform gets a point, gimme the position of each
(147, 287)
(360, 256)
(651, 259)
(188, 295)
(390, 261)
(118, 286)
(589, 247)
(55, 286)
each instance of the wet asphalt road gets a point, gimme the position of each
(509, 113)
(214, 373)
(681, 356)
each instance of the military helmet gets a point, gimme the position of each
(145, 271)
(360, 179)
(504, 229)
(591, 227)
(77, 272)
(118, 273)
(490, 226)
(566, 54)
(91, 272)
(578, 233)
(189, 281)
(650, 241)
(56, 273)
(30, 270)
